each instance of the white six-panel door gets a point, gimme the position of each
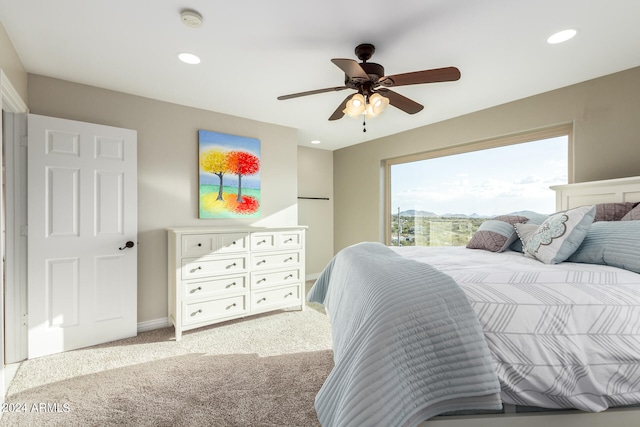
(82, 196)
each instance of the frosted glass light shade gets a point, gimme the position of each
(355, 106)
(377, 104)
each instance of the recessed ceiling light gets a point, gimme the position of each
(189, 58)
(562, 36)
(315, 141)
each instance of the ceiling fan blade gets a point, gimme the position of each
(351, 68)
(337, 115)
(400, 101)
(447, 74)
(312, 92)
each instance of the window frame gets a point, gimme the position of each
(502, 141)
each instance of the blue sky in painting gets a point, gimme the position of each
(226, 142)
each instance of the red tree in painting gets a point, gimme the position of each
(242, 163)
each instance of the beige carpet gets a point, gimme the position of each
(259, 371)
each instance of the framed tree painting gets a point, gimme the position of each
(229, 175)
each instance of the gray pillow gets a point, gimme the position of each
(632, 215)
(496, 234)
(612, 211)
(614, 243)
(532, 218)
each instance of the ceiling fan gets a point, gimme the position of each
(372, 86)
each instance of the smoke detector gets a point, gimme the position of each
(191, 18)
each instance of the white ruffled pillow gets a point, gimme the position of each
(558, 237)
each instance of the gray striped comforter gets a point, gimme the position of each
(561, 336)
(402, 353)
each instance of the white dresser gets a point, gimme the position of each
(219, 274)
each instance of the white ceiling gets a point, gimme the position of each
(254, 51)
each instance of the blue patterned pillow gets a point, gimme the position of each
(615, 243)
(558, 236)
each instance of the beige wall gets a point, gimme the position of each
(168, 168)
(11, 65)
(605, 114)
(315, 179)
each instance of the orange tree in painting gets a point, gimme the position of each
(214, 162)
(242, 163)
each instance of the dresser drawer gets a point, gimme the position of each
(207, 244)
(232, 242)
(203, 311)
(198, 244)
(202, 267)
(270, 278)
(289, 239)
(217, 286)
(263, 241)
(278, 259)
(281, 296)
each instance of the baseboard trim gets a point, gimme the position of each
(150, 325)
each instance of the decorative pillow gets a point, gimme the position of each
(533, 218)
(496, 234)
(612, 211)
(615, 243)
(633, 214)
(558, 236)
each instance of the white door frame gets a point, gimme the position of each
(12, 103)
(15, 338)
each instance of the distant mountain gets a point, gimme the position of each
(427, 214)
(413, 212)
(450, 215)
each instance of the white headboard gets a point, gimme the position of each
(588, 193)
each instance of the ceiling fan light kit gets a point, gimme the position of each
(355, 106)
(376, 105)
(372, 86)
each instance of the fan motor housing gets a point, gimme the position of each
(373, 70)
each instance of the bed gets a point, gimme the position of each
(554, 323)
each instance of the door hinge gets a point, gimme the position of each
(24, 140)
(24, 230)
(25, 319)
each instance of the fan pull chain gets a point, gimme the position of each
(364, 124)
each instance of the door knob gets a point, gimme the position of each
(129, 244)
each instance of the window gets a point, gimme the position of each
(441, 198)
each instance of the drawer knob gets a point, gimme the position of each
(230, 285)
(289, 294)
(199, 288)
(231, 306)
(289, 276)
(261, 262)
(196, 269)
(260, 300)
(289, 259)
(262, 241)
(231, 265)
(199, 244)
(196, 312)
(290, 239)
(264, 279)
